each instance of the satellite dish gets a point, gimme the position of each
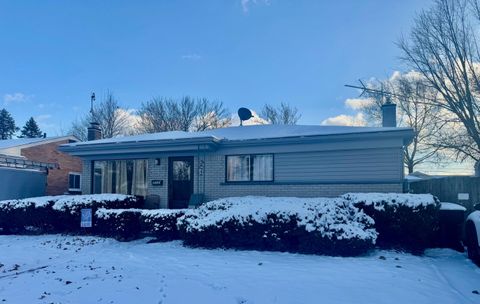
(244, 114)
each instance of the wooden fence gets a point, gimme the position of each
(448, 188)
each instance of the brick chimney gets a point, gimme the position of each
(94, 131)
(389, 115)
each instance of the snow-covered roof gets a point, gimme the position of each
(452, 206)
(10, 143)
(412, 178)
(16, 142)
(246, 133)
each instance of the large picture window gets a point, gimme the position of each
(248, 168)
(120, 176)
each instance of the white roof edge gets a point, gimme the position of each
(41, 141)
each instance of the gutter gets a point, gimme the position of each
(406, 133)
(210, 143)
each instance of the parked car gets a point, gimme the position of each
(472, 235)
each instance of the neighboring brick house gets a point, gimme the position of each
(66, 178)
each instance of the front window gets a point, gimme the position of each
(120, 176)
(246, 168)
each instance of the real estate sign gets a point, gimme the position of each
(86, 218)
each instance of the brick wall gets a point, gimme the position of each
(158, 172)
(86, 177)
(57, 179)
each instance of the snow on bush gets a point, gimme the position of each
(68, 208)
(35, 202)
(20, 215)
(380, 200)
(161, 223)
(125, 224)
(312, 225)
(56, 213)
(73, 203)
(403, 221)
(106, 214)
(122, 224)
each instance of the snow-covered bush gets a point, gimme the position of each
(68, 208)
(129, 224)
(306, 225)
(403, 221)
(74, 203)
(121, 224)
(32, 214)
(161, 223)
(56, 213)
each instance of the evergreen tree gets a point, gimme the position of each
(31, 129)
(7, 125)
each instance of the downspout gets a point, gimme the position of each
(201, 168)
(198, 168)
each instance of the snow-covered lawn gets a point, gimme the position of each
(68, 269)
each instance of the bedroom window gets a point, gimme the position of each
(249, 168)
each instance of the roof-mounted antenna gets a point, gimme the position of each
(92, 99)
(244, 114)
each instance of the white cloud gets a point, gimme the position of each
(358, 103)
(193, 57)
(131, 118)
(411, 75)
(346, 120)
(15, 98)
(43, 117)
(247, 3)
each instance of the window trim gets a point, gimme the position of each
(79, 182)
(250, 181)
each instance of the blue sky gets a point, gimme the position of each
(245, 53)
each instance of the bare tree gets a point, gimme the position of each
(443, 47)
(281, 115)
(410, 93)
(186, 114)
(211, 115)
(79, 128)
(114, 120)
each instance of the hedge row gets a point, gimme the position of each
(318, 225)
(56, 213)
(346, 226)
(116, 216)
(130, 224)
(403, 221)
